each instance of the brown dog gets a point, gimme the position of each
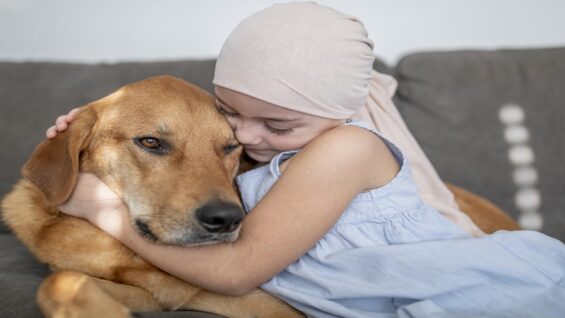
(161, 145)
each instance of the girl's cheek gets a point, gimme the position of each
(285, 144)
(232, 121)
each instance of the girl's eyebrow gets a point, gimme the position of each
(263, 118)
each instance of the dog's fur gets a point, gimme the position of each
(486, 215)
(95, 275)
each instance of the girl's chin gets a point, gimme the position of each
(260, 156)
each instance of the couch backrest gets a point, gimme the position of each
(492, 122)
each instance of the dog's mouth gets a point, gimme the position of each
(207, 239)
(143, 229)
(191, 237)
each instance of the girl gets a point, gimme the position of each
(337, 226)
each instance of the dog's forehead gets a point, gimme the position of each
(163, 95)
(163, 107)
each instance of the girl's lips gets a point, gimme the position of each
(253, 149)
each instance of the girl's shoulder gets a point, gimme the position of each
(354, 149)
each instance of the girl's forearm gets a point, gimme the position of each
(213, 267)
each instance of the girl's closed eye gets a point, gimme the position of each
(225, 112)
(277, 131)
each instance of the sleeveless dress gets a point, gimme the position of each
(392, 255)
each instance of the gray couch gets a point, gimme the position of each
(452, 102)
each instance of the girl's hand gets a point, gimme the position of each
(91, 199)
(61, 123)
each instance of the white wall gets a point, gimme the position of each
(118, 30)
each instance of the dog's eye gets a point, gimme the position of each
(152, 145)
(230, 148)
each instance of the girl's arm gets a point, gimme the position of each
(310, 196)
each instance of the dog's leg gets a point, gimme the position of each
(173, 293)
(255, 304)
(135, 298)
(67, 294)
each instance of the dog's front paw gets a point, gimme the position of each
(68, 294)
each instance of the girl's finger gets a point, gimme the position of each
(72, 114)
(51, 132)
(61, 123)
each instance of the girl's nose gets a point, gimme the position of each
(247, 133)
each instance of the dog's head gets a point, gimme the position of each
(160, 144)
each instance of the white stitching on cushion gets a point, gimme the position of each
(521, 157)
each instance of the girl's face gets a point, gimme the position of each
(265, 129)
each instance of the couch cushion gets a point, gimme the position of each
(491, 121)
(33, 94)
(20, 275)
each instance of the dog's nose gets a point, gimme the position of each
(219, 216)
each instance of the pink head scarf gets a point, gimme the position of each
(300, 56)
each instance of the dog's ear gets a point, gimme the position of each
(53, 166)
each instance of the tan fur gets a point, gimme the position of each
(484, 213)
(96, 276)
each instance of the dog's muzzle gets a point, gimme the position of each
(219, 216)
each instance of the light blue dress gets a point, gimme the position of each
(391, 255)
